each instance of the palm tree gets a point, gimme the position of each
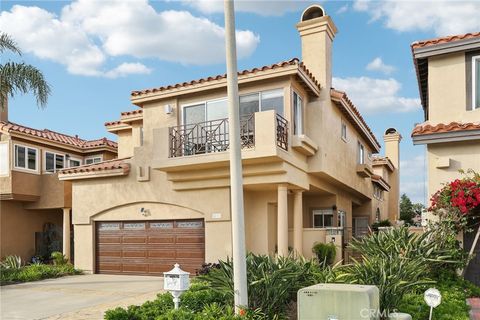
(19, 77)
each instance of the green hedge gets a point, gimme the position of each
(35, 272)
(454, 290)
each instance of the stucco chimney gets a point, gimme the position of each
(392, 146)
(4, 112)
(317, 31)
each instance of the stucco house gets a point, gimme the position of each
(35, 207)
(310, 169)
(448, 74)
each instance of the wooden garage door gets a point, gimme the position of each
(149, 247)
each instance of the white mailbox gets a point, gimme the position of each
(176, 281)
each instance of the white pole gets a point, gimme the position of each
(236, 180)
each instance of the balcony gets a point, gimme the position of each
(206, 144)
(212, 136)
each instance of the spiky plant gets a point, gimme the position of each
(19, 77)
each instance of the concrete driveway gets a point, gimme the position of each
(75, 297)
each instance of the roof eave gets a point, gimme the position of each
(445, 137)
(93, 174)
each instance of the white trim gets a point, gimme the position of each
(54, 161)
(26, 169)
(475, 60)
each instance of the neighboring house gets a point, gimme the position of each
(308, 167)
(35, 206)
(448, 73)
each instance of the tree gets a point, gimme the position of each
(407, 212)
(19, 77)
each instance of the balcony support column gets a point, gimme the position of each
(298, 222)
(282, 220)
(66, 232)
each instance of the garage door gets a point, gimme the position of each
(149, 247)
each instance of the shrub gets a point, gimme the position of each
(11, 262)
(272, 282)
(430, 246)
(59, 258)
(381, 223)
(394, 276)
(325, 252)
(454, 290)
(35, 272)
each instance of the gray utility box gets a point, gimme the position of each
(338, 302)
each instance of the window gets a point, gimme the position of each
(322, 218)
(297, 114)
(54, 161)
(344, 131)
(341, 218)
(25, 158)
(377, 192)
(249, 103)
(93, 160)
(4, 160)
(476, 82)
(361, 154)
(74, 163)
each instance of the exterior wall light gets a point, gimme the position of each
(176, 281)
(168, 108)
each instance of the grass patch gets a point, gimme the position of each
(35, 272)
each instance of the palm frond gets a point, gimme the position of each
(23, 78)
(7, 43)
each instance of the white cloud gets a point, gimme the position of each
(260, 7)
(413, 178)
(87, 33)
(372, 95)
(441, 17)
(343, 9)
(126, 69)
(377, 64)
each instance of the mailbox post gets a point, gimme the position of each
(176, 281)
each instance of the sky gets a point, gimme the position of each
(94, 53)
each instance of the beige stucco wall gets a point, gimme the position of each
(447, 90)
(462, 155)
(18, 227)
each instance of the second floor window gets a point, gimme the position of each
(25, 158)
(297, 114)
(476, 82)
(93, 160)
(361, 154)
(54, 161)
(74, 163)
(262, 101)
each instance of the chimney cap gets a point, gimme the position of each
(312, 12)
(390, 131)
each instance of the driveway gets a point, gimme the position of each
(75, 297)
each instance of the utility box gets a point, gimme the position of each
(338, 302)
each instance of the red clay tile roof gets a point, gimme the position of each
(426, 128)
(130, 113)
(46, 134)
(112, 123)
(447, 39)
(379, 179)
(101, 166)
(291, 62)
(342, 95)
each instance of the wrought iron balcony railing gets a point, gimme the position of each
(282, 132)
(212, 136)
(208, 137)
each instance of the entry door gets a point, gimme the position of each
(361, 227)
